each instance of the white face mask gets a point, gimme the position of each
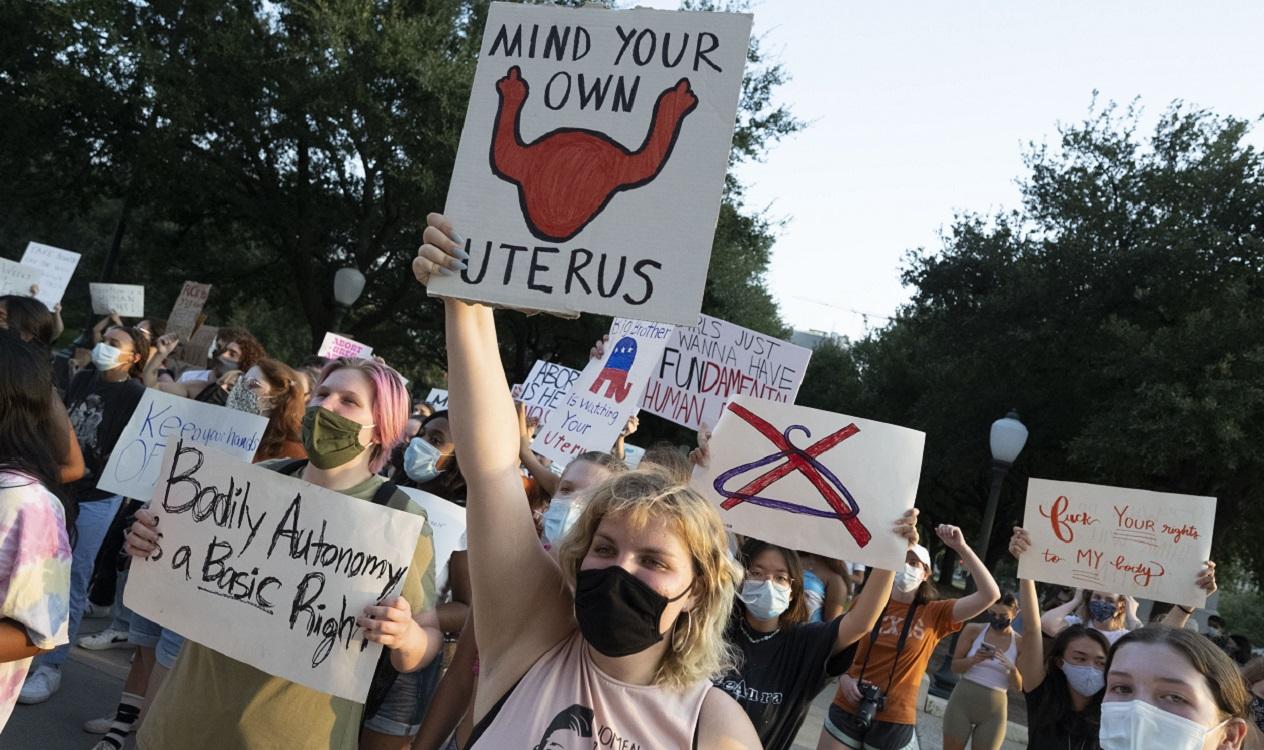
(1084, 678)
(909, 579)
(106, 357)
(1137, 725)
(765, 599)
(560, 516)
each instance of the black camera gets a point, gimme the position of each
(871, 702)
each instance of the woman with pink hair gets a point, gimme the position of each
(354, 418)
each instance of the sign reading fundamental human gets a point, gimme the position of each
(160, 419)
(812, 480)
(707, 364)
(270, 570)
(1146, 544)
(592, 160)
(599, 402)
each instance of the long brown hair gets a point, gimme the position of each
(797, 612)
(1219, 671)
(285, 418)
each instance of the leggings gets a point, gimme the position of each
(976, 709)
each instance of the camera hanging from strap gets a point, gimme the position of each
(899, 645)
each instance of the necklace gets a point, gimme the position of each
(761, 639)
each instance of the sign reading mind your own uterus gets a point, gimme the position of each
(590, 131)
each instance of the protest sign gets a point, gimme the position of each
(17, 278)
(588, 130)
(812, 480)
(709, 363)
(544, 388)
(335, 346)
(597, 407)
(56, 267)
(438, 398)
(128, 300)
(161, 418)
(447, 523)
(183, 319)
(632, 455)
(1146, 544)
(197, 351)
(270, 570)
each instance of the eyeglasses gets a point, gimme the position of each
(781, 579)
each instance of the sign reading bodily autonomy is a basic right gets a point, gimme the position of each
(270, 570)
(707, 364)
(161, 418)
(606, 393)
(812, 480)
(592, 160)
(1145, 544)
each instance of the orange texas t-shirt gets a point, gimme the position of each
(934, 621)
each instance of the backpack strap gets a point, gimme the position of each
(292, 467)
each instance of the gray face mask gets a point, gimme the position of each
(242, 398)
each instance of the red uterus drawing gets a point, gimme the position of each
(566, 177)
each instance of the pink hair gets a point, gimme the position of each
(391, 404)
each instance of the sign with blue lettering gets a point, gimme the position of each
(162, 418)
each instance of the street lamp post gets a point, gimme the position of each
(348, 286)
(1006, 441)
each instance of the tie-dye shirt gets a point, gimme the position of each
(34, 573)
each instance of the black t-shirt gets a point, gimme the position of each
(780, 674)
(1078, 731)
(99, 411)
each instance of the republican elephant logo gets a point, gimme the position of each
(615, 374)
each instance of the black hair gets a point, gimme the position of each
(29, 319)
(1053, 713)
(797, 611)
(28, 435)
(450, 484)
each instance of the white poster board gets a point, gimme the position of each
(438, 398)
(606, 393)
(56, 267)
(161, 418)
(447, 524)
(270, 570)
(544, 388)
(128, 300)
(18, 278)
(183, 319)
(335, 346)
(707, 364)
(589, 130)
(813, 480)
(1146, 544)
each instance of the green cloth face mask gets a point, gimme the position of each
(330, 439)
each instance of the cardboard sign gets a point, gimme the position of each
(335, 346)
(128, 300)
(707, 364)
(447, 523)
(603, 397)
(270, 570)
(812, 480)
(56, 267)
(183, 319)
(161, 418)
(197, 351)
(18, 278)
(1145, 544)
(544, 388)
(438, 398)
(587, 129)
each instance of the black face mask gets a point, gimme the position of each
(1000, 622)
(618, 614)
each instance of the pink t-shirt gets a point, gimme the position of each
(34, 573)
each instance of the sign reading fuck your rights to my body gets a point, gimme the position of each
(270, 570)
(592, 160)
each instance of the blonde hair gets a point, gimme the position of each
(651, 494)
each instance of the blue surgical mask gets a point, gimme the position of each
(421, 460)
(1101, 611)
(561, 515)
(765, 600)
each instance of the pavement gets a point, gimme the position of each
(93, 680)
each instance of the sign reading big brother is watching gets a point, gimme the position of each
(592, 161)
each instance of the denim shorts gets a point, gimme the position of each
(143, 632)
(406, 702)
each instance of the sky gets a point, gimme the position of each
(918, 111)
